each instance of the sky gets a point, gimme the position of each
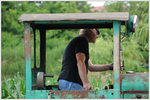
(96, 3)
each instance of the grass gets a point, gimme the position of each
(100, 79)
(13, 88)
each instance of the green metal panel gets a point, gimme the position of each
(94, 94)
(36, 94)
(27, 55)
(116, 55)
(135, 82)
(73, 22)
(135, 96)
(45, 94)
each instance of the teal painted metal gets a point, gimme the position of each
(116, 56)
(97, 94)
(73, 22)
(36, 94)
(27, 55)
(93, 94)
(135, 96)
(109, 94)
(129, 26)
(135, 82)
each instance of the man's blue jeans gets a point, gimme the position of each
(66, 85)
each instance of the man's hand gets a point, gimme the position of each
(111, 66)
(87, 86)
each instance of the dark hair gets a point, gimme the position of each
(97, 31)
(87, 32)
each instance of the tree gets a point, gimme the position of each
(139, 8)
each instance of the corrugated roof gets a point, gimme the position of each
(121, 16)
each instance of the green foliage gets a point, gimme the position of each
(101, 51)
(116, 6)
(11, 11)
(139, 40)
(100, 80)
(10, 14)
(10, 40)
(12, 55)
(130, 50)
(13, 88)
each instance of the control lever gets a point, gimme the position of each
(122, 65)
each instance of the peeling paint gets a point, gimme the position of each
(134, 82)
(27, 55)
(116, 56)
(27, 40)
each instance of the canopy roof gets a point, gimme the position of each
(120, 16)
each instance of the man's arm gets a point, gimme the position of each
(82, 70)
(98, 68)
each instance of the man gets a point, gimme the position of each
(76, 62)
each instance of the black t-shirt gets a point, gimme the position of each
(69, 69)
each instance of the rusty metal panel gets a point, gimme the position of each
(73, 94)
(55, 94)
(100, 94)
(120, 16)
(90, 94)
(138, 82)
(135, 96)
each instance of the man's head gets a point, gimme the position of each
(90, 34)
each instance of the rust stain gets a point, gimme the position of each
(131, 75)
(27, 49)
(118, 80)
(133, 80)
(132, 98)
(102, 97)
(145, 80)
(27, 40)
(135, 91)
(143, 77)
(135, 75)
(75, 94)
